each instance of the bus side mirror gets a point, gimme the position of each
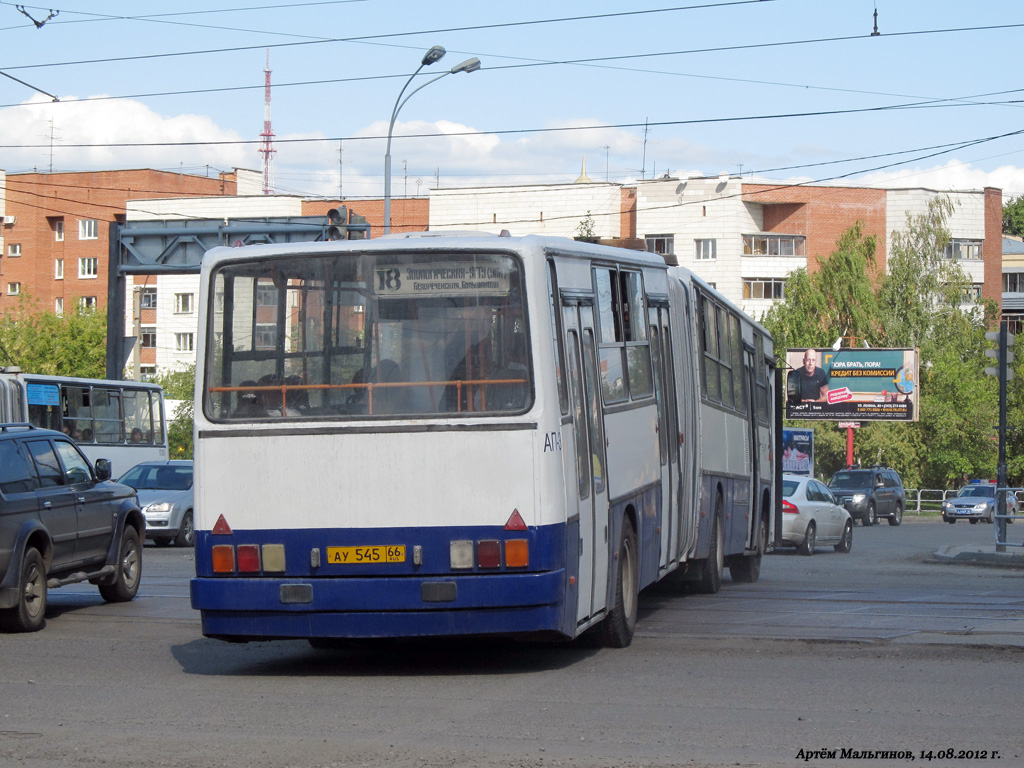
(102, 469)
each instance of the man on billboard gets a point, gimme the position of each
(809, 383)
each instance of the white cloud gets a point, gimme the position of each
(953, 175)
(114, 123)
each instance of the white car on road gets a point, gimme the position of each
(812, 516)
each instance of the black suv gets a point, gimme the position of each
(870, 493)
(61, 522)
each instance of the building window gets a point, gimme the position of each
(14, 250)
(972, 293)
(88, 267)
(58, 230)
(58, 306)
(13, 289)
(147, 338)
(147, 372)
(961, 250)
(58, 269)
(87, 302)
(661, 244)
(773, 245)
(266, 335)
(764, 288)
(88, 229)
(148, 298)
(1013, 282)
(184, 342)
(266, 295)
(705, 250)
(183, 303)
(1014, 323)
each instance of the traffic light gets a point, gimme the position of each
(343, 224)
(1002, 353)
(358, 227)
(337, 224)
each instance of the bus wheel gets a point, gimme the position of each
(129, 569)
(711, 578)
(28, 613)
(618, 626)
(747, 568)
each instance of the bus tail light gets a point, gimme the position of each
(248, 558)
(517, 553)
(223, 557)
(789, 509)
(488, 554)
(273, 558)
(461, 553)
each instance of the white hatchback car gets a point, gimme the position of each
(812, 516)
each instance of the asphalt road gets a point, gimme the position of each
(878, 650)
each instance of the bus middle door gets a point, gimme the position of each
(589, 452)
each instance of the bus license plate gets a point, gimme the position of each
(365, 555)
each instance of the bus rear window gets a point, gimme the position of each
(368, 336)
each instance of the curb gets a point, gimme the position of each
(987, 556)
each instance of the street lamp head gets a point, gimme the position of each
(469, 65)
(436, 53)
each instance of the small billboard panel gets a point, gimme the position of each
(798, 451)
(852, 384)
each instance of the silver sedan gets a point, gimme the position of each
(812, 516)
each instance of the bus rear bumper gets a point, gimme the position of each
(380, 607)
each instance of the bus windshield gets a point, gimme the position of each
(367, 335)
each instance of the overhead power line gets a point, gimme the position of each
(934, 103)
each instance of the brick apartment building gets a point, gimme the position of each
(55, 233)
(743, 237)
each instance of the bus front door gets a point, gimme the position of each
(591, 490)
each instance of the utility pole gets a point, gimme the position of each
(137, 330)
(1003, 354)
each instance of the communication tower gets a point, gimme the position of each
(267, 147)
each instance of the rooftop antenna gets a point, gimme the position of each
(267, 147)
(643, 163)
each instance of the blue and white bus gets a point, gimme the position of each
(122, 421)
(465, 435)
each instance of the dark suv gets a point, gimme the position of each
(61, 522)
(870, 493)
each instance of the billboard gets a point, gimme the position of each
(798, 451)
(852, 384)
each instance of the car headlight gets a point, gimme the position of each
(161, 508)
(947, 505)
(981, 507)
(857, 498)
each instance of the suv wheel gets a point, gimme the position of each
(28, 614)
(897, 516)
(871, 516)
(129, 569)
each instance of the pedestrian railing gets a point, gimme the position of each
(921, 500)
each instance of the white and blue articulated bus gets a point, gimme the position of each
(441, 435)
(121, 421)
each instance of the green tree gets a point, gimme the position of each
(180, 385)
(1013, 217)
(585, 229)
(924, 289)
(72, 344)
(921, 303)
(838, 299)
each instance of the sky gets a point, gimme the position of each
(777, 90)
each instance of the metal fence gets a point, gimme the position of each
(922, 500)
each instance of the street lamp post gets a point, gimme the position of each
(431, 56)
